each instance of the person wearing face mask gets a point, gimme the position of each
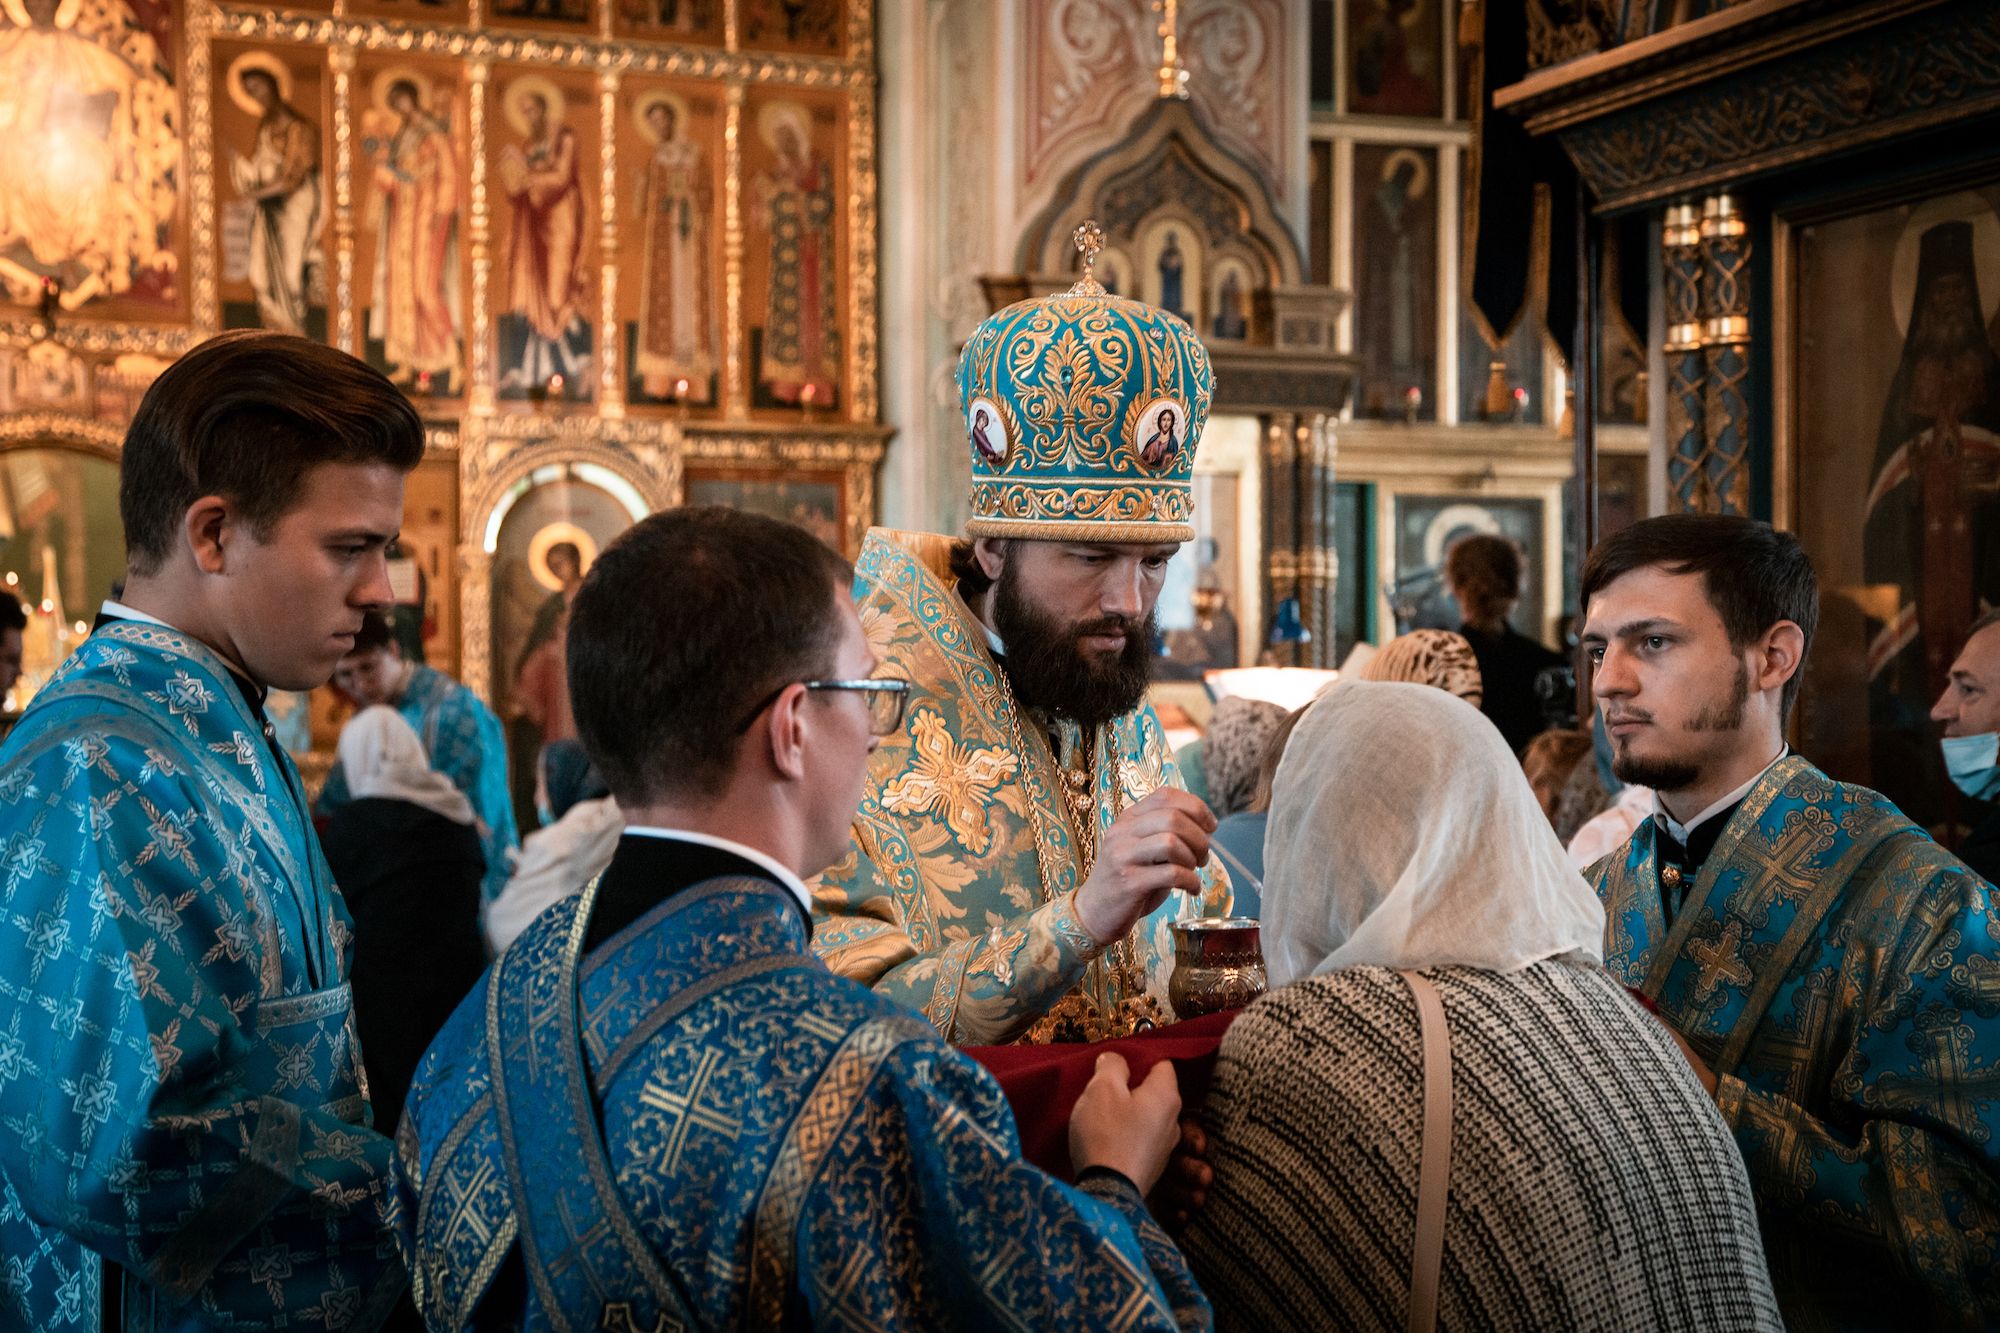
(1969, 713)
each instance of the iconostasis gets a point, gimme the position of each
(620, 254)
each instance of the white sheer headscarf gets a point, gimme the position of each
(1403, 834)
(382, 757)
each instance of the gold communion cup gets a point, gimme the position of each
(1218, 964)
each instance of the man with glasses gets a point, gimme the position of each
(659, 1111)
(1024, 842)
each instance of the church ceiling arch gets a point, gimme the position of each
(1168, 162)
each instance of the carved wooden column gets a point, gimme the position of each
(1725, 308)
(1708, 356)
(1687, 438)
(1299, 533)
(1281, 530)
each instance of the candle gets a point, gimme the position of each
(680, 388)
(556, 385)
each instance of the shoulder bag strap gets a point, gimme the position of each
(1434, 1171)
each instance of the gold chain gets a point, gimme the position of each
(1123, 1006)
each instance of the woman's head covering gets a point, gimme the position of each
(568, 776)
(1402, 834)
(383, 758)
(1434, 657)
(1232, 749)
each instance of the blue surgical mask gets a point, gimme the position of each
(1974, 764)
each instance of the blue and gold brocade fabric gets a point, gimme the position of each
(180, 1087)
(1840, 972)
(942, 902)
(780, 1149)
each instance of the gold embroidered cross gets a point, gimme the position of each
(1720, 962)
(687, 1110)
(1089, 239)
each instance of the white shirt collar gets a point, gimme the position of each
(124, 612)
(120, 611)
(1679, 832)
(782, 874)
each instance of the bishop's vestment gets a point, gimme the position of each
(1840, 972)
(180, 1087)
(692, 1124)
(957, 897)
(465, 743)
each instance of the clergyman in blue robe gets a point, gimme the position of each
(184, 1137)
(658, 1109)
(1831, 971)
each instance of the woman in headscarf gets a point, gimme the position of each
(1588, 1181)
(1434, 657)
(406, 855)
(1238, 841)
(580, 828)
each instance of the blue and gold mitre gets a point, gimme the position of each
(1082, 411)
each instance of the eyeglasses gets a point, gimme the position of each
(885, 699)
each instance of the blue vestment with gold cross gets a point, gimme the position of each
(1840, 972)
(465, 742)
(180, 1087)
(957, 896)
(695, 1125)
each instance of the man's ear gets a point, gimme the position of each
(207, 528)
(785, 733)
(1781, 654)
(991, 553)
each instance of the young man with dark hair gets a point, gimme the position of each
(659, 1111)
(1484, 573)
(1827, 968)
(460, 733)
(1968, 714)
(183, 1122)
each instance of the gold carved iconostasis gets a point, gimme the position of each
(619, 253)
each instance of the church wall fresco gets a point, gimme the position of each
(562, 226)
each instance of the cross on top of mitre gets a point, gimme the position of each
(1089, 238)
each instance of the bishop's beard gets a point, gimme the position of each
(1054, 674)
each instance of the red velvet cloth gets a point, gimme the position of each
(1042, 1083)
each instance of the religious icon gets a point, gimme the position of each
(807, 24)
(812, 501)
(799, 357)
(1232, 317)
(414, 315)
(680, 18)
(1394, 58)
(545, 337)
(282, 178)
(90, 155)
(559, 11)
(1396, 273)
(1160, 427)
(1171, 263)
(676, 333)
(989, 437)
(1932, 536)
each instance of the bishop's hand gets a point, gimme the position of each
(1151, 849)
